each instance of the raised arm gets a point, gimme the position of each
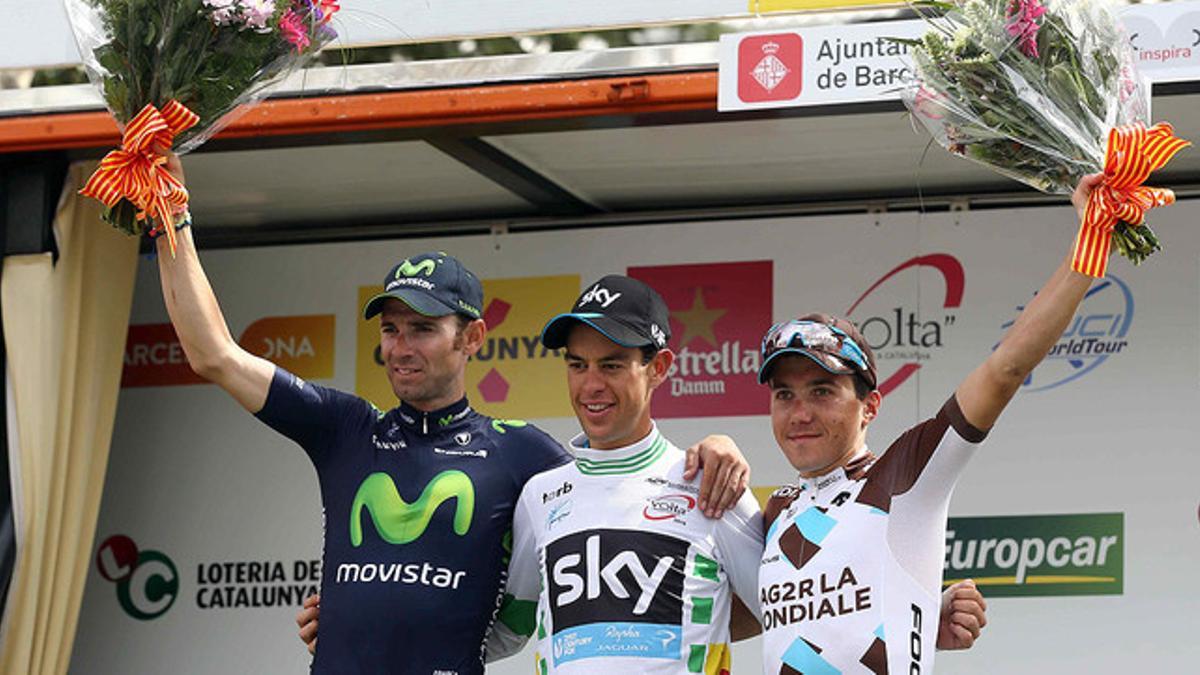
(203, 334)
(984, 393)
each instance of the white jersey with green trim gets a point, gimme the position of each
(853, 561)
(636, 578)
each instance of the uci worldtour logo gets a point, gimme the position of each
(147, 581)
(899, 336)
(1097, 331)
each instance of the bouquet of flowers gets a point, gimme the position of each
(1047, 93)
(173, 73)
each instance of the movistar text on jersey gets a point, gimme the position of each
(422, 574)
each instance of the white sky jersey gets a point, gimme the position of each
(637, 578)
(851, 575)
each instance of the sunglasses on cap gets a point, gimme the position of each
(816, 340)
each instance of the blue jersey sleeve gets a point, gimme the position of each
(311, 415)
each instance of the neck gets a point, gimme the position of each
(642, 430)
(839, 463)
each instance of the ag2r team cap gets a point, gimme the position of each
(433, 284)
(624, 310)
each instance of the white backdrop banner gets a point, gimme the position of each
(210, 530)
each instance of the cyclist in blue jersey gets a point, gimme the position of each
(418, 501)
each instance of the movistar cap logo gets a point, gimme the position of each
(399, 522)
(425, 267)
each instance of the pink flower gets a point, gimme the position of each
(326, 9)
(1021, 22)
(257, 14)
(292, 27)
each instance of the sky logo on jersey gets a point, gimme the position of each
(616, 592)
(718, 314)
(511, 375)
(1079, 554)
(1098, 331)
(900, 337)
(303, 345)
(147, 581)
(397, 521)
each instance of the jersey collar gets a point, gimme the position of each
(445, 418)
(629, 459)
(855, 469)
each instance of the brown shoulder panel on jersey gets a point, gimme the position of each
(897, 471)
(780, 499)
(954, 413)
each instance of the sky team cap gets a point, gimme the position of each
(833, 343)
(624, 310)
(433, 284)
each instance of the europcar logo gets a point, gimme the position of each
(147, 581)
(511, 375)
(886, 316)
(718, 312)
(1097, 332)
(1038, 555)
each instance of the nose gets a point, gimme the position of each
(592, 382)
(800, 414)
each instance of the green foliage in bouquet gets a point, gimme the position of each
(1030, 90)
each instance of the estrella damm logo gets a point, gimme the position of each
(147, 581)
(1079, 554)
(512, 375)
(426, 267)
(399, 522)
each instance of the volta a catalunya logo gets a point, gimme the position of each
(952, 273)
(399, 522)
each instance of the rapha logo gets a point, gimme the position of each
(1097, 331)
(900, 338)
(599, 294)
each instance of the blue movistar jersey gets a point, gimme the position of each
(418, 507)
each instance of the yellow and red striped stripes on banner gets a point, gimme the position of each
(1133, 153)
(136, 170)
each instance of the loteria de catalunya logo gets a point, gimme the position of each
(901, 333)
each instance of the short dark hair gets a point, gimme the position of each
(648, 353)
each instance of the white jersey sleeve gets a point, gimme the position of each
(739, 542)
(517, 616)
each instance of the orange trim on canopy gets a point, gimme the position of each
(669, 92)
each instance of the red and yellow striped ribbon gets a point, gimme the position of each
(1133, 152)
(136, 170)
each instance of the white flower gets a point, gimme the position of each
(257, 13)
(224, 12)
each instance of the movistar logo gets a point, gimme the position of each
(499, 425)
(399, 522)
(426, 267)
(445, 421)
